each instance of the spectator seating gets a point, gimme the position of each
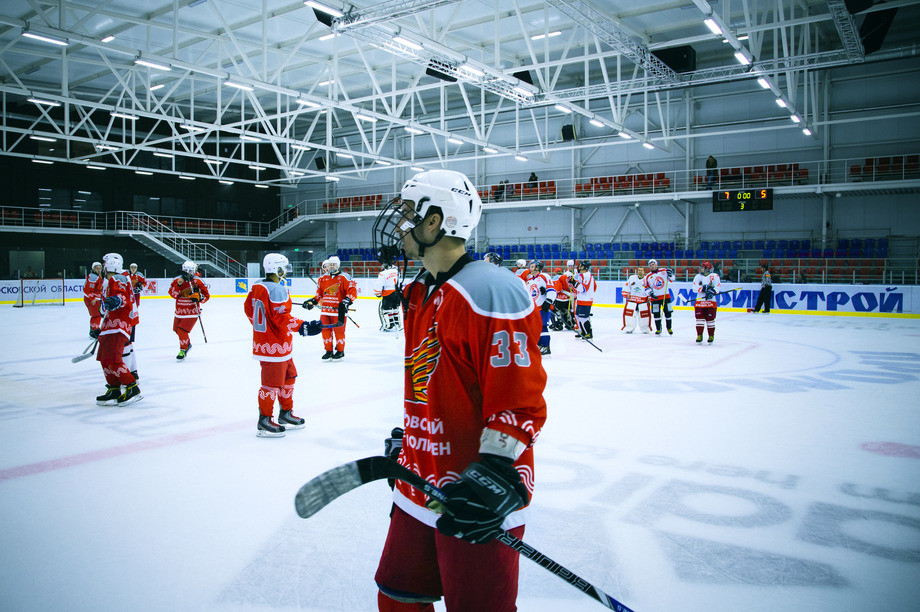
(354, 203)
(623, 184)
(520, 191)
(756, 176)
(886, 168)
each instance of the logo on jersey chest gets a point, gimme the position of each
(421, 363)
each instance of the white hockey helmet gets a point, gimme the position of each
(132, 267)
(452, 192)
(278, 264)
(113, 262)
(96, 263)
(325, 265)
(521, 263)
(333, 263)
(570, 263)
(189, 267)
(652, 262)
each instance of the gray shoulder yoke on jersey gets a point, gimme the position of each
(276, 291)
(492, 291)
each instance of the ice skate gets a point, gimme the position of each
(269, 429)
(544, 350)
(131, 395)
(327, 356)
(290, 420)
(338, 355)
(711, 339)
(110, 397)
(699, 337)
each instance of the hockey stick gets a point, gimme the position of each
(201, 323)
(592, 344)
(88, 352)
(322, 490)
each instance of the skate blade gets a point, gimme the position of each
(133, 400)
(107, 402)
(269, 434)
(289, 427)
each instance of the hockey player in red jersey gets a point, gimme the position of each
(656, 285)
(521, 269)
(138, 282)
(116, 333)
(92, 297)
(190, 293)
(472, 335)
(335, 292)
(707, 285)
(268, 308)
(561, 307)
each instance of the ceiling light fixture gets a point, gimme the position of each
(153, 65)
(455, 141)
(407, 43)
(322, 7)
(43, 138)
(806, 131)
(213, 162)
(595, 123)
(108, 39)
(43, 161)
(88, 167)
(44, 102)
(624, 136)
(186, 178)
(542, 36)
(296, 173)
(249, 138)
(763, 83)
(260, 186)
(563, 108)
(158, 154)
(324, 83)
(300, 147)
(334, 179)
(143, 172)
(222, 182)
(416, 169)
(795, 119)
(781, 103)
(367, 118)
(520, 158)
(472, 70)
(257, 168)
(346, 155)
(490, 150)
(713, 26)
(125, 116)
(304, 102)
(156, 87)
(382, 162)
(45, 38)
(241, 86)
(743, 56)
(648, 145)
(329, 36)
(191, 128)
(413, 130)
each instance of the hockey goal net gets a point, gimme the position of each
(40, 292)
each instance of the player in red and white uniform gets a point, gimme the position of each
(636, 310)
(386, 289)
(471, 337)
(117, 333)
(562, 306)
(92, 297)
(707, 285)
(543, 293)
(335, 292)
(268, 308)
(190, 293)
(656, 286)
(584, 286)
(138, 282)
(521, 269)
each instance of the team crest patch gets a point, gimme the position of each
(421, 363)
(242, 285)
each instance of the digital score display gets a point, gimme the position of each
(742, 199)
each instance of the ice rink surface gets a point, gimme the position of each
(777, 469)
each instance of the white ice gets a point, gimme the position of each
(777, 469)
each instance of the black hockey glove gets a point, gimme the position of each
(545, 306)
(310, 328)
(309, 304)
(94, 333)
(486, 493)
(343, 308)
(709, 292)
(391, 448)
(542, 290)
(112, 302)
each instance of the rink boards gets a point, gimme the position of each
(853, 300)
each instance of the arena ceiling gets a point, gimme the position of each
(256, 91)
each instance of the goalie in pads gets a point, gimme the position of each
(637, 311)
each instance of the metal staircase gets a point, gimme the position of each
(171, 245)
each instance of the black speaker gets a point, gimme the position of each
(874, 28)
(568, 133)
(320, 162)
(323, 17)
(436, 69)
(678, 59)
(857, 6)
(523, 75)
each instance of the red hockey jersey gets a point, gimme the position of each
(332, 289)
(471, 362)
(181, 289)
(122, 319)
(268, 308)
(138, 281)
(92, 288)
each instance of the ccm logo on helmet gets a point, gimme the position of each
(460, 191)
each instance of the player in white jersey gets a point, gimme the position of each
(637, 309)
(584, 287)
(543, 293)
(388, 290)
(707, 285)
(656, 286)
